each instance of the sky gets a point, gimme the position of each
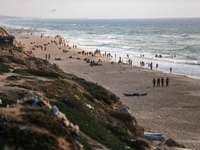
(101, 9)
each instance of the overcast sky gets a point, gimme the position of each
(98, 9)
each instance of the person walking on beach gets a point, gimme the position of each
(151, 65)
(162, 81)
(49, 56)
(170, 69)
(154, 82)
(158, 82)
(167, 81)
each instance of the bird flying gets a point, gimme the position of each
(52, 10)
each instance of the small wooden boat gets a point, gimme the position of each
(153, 133)
(135, 94)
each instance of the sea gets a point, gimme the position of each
(176, 39)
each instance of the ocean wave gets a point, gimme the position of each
(184, 35)
(108, 37)
(165, 36)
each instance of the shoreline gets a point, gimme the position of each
(164, 65)
(165, 109)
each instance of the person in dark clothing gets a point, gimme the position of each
(154, 82)
(167, 81)
(170, 69)
(158, 82)
(162, 82)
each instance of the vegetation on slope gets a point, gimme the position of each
(86, 104)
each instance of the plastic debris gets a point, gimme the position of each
(35, 100)
(89, 106)
(22, 128)
(55, 110)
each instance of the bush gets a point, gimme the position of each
(95, 90)
(41, 73)
(1, 59)
(78, 105)
(16, 60)
(113, 98)
(44, 120)
(29, 140)
(14, 77)
(122, 116)
(85, 144)
(4, 68)
(88, 97)
(125, 137)
(91, 127)
(6, 102)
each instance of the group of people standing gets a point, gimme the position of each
(161, 82)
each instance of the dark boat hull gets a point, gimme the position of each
(135, 94)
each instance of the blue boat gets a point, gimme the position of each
(154, 137)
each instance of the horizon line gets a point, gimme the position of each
(85, 18)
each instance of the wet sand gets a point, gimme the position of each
(173, 111)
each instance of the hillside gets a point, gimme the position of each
(45, 108)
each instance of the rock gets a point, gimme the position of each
(172, 143)
(66, 123)
(126, 110)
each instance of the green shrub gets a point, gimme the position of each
(16, 60)
(4, 68)
(1, 59)
(14, 77)
(114, 98)
(122, 116)
(62, 83)
(41, 73)
(85, 144)
(125, 137)
(29, 140)
(91, 127)
(88, 97)
(6, 102)
(78, 105)
(44, 120)
(95, 90)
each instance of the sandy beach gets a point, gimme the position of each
(173, 111)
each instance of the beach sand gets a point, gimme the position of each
(173, 111)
